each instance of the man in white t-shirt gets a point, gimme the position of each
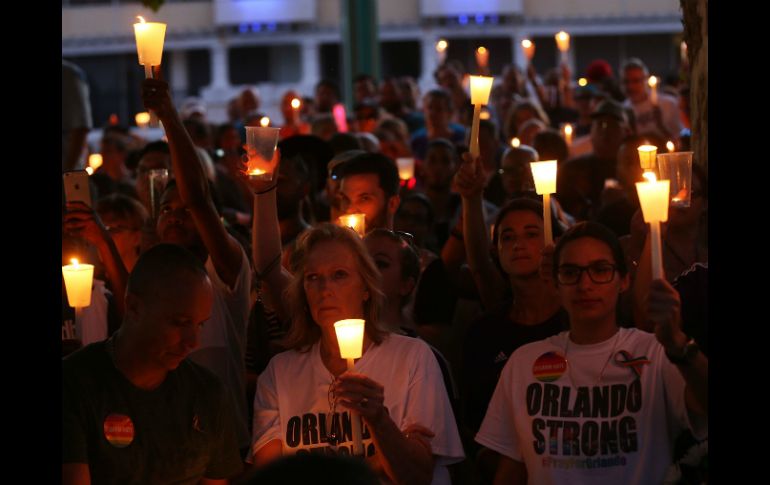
(653, 116)
(597, 404)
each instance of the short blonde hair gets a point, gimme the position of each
(304, 331)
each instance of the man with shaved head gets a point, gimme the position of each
(135, 409)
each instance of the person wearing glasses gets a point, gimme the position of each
(597, 403)
(306, 397)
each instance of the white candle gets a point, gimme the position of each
(357, 222)
(441, 47)
(529, 49)
(482, 58)
(653, 82)
(544, 175)
(568, 130)
(653, 198)
(562, 42)
(481, 86)
(149, 43)
(350, 338)
(78, 280)
(142, 119)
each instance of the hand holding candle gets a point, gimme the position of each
(260, 150)
(481, 86)
(653, 198)
(350, 338)
(149, 43)
(544, 174)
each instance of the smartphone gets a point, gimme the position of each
(76, 186)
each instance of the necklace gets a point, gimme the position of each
(604, 367)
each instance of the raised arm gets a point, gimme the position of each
(225, 251)
(266, 239)
(469, 181)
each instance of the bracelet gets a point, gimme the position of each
(267, 189)
(270, 267)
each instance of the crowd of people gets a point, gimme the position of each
(489, 355)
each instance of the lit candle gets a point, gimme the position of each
(683, 52)
(567, 131)
(485, 115)
(529, 49)
(295, 104)
(653, 198)
(515, 142)
(264, 122)
(149, 44)
(582, 82)
(350, 338)
(653, 82)
(544, 174)
(441, 47)
(670, 146)
(95, 161)
(89, 170)
(562, 42)
(482, 58)
(647, 156)
(480, 89)
(142, 119)
(357, 222)
(405, 167)
(78, 280)
(260, 149)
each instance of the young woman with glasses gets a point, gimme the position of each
(597, 403)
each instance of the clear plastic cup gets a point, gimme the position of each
(261, 143)
(677, 167)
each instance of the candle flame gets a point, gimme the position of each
(582, 82)
(89, 170)
(295, 103)
(141, 19)
(482, 50)
(264, 121)
(562, 36)
(515, 142)
(526, 43)
(441, 45)
(74, 261)
(142, 118)
(653, 81)
(95, 161)
(257, 171)
(484, 115)
(650, 176)
(670, 146)
(568, 130)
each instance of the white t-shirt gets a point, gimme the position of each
(292, 402)
(645, 119)
(569, 425)
(222, 346)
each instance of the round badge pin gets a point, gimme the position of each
(549, 367)
(119, 430)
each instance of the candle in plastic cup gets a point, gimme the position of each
(357, 222)
(481, 86)
(677, 168)
(261, 143)
(149, 41)
(78, 279)
(544, 174)
(350, 337)
(647, 156)
(405, 167)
